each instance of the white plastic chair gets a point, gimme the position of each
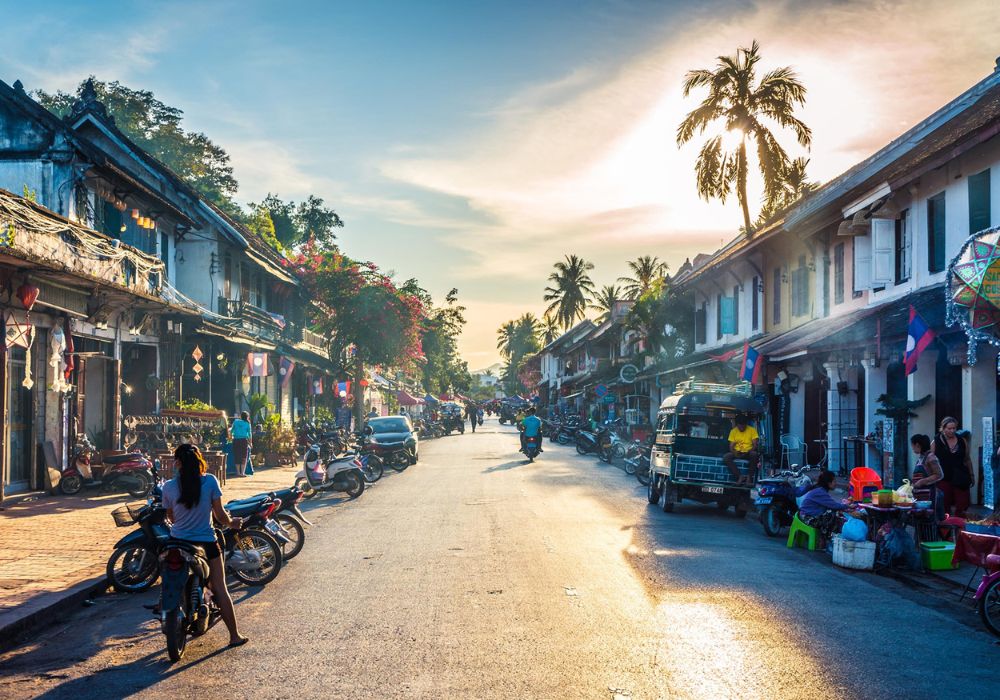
(793, 451)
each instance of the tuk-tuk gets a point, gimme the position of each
(692, 438)
(452, 417)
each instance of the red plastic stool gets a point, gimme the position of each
(863, 482)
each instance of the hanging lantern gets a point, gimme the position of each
(972, 290)
(135, 214)
(27, 293)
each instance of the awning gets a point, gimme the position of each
(406, 400)
(431, 399)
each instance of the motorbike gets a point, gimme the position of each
(133, 565)
(636, 461)
(568, 430)
(131, 473)
(252, 554)
(286, 516)
(532, 446)
(987, 595)
(587, 442)
(611, 449)
(776, 498)
(185, 597)
(343, 474)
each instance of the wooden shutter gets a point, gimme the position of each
(862, 263)
(883, 253)
(979, 202)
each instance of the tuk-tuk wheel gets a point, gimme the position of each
(669, 497)
(653, 490)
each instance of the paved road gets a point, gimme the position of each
(475, 575)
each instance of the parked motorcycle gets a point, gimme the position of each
(133, 565)
(987, 595)
(776, 498)
(587, 442)
(636, 460)
(131, 473)
(568, 431)
(286, 516)
(185, 597)
(342, 474)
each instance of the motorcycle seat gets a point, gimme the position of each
(992, 562)
(252, 500)
(243, 510)
(120, 459)
(189, 547)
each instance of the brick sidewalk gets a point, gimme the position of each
(56, 547)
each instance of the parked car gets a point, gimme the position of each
(393, 439)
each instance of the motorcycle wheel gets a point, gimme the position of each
(399, 461)
(989, 607)
(175, 629)
(374, 471)
(562, 439)
(270, 557)
(138, 485)
(294, 531)
(132, 569)
(618, 458)
(581, 449)
(71, 485)
(303, 485)
(604, 452)
(771, 520)
(642, 474)
(355, 485)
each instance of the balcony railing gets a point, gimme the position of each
(270, 325)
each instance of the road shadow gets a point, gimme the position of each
(514, 464)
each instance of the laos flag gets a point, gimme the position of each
(750, 370)
(918, 336)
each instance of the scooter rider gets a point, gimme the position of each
(531, 426)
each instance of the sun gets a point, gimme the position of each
(731, 139)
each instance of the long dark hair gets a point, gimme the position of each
(190, 468)
(825, 479)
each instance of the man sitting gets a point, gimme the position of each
(743, 444)
(531, 427)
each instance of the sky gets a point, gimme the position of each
(473, 144)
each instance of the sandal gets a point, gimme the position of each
(239, 642)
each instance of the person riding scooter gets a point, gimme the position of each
(531, 426)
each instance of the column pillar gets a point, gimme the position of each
(979, 400)
(918, 385)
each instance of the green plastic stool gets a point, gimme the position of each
(800, 530)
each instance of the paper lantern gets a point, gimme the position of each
(27, 293)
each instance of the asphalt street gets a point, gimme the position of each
(476, 575)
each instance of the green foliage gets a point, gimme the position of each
(29, 194)
(194, 405)
(324, 415)
(292, 224)
(571, 290)
(276, 437)
(646, 270)
(517, 341)
(259, 406)
(604, 301)
(662, 316)
(259, 221)
(738, 103)
(444, 369)
(899, 408)
(316, 222)
(156, 128)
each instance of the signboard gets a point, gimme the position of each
(628, 373)
(609, 398)
(989, 474)
(601, 390)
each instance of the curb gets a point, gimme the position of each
(15, 631)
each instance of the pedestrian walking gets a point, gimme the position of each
(952, 451)
(242, 443)
(472, 414)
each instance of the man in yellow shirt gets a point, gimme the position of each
(743, 444)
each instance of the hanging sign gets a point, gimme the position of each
(601, 390)
(628, 374)
(989, 451)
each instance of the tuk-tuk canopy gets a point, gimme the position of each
(699, 402)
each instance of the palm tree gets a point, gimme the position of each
(550, 329)
(571, 291)
(646, 269)
(736, 102)
(507, 339)
(604, 301)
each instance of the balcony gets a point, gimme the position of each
(254, 319)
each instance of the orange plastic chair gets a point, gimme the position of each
(863, 482)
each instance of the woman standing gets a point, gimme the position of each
(191, 499)
(927, 473)
(242, 442)
(952, 452)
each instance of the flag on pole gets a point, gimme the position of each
(343, 388)
(918, 336)
(285, 369)
(257, 364)
(750, 369)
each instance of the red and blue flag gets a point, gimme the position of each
(918, 336)
(750, 369)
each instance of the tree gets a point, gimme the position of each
(737, 103)
(316, 222)
(371, 321)
(646, 269)
(283, 217)
(156, 128)
(550, 329)
(443, 369)
(604, 301)
(259, 221)
(571, 290)
(507, 339)
(796, 186)
(661, 316)
(518, 340)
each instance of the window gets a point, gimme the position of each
(718, 316)
(700, 321)
(736, 309)
(776, 297)
(165, 254)
(903, 247)
(838, 273)
(979, 201)
(800, 288)
(227, 276)
(935, 233)
(755, 304)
